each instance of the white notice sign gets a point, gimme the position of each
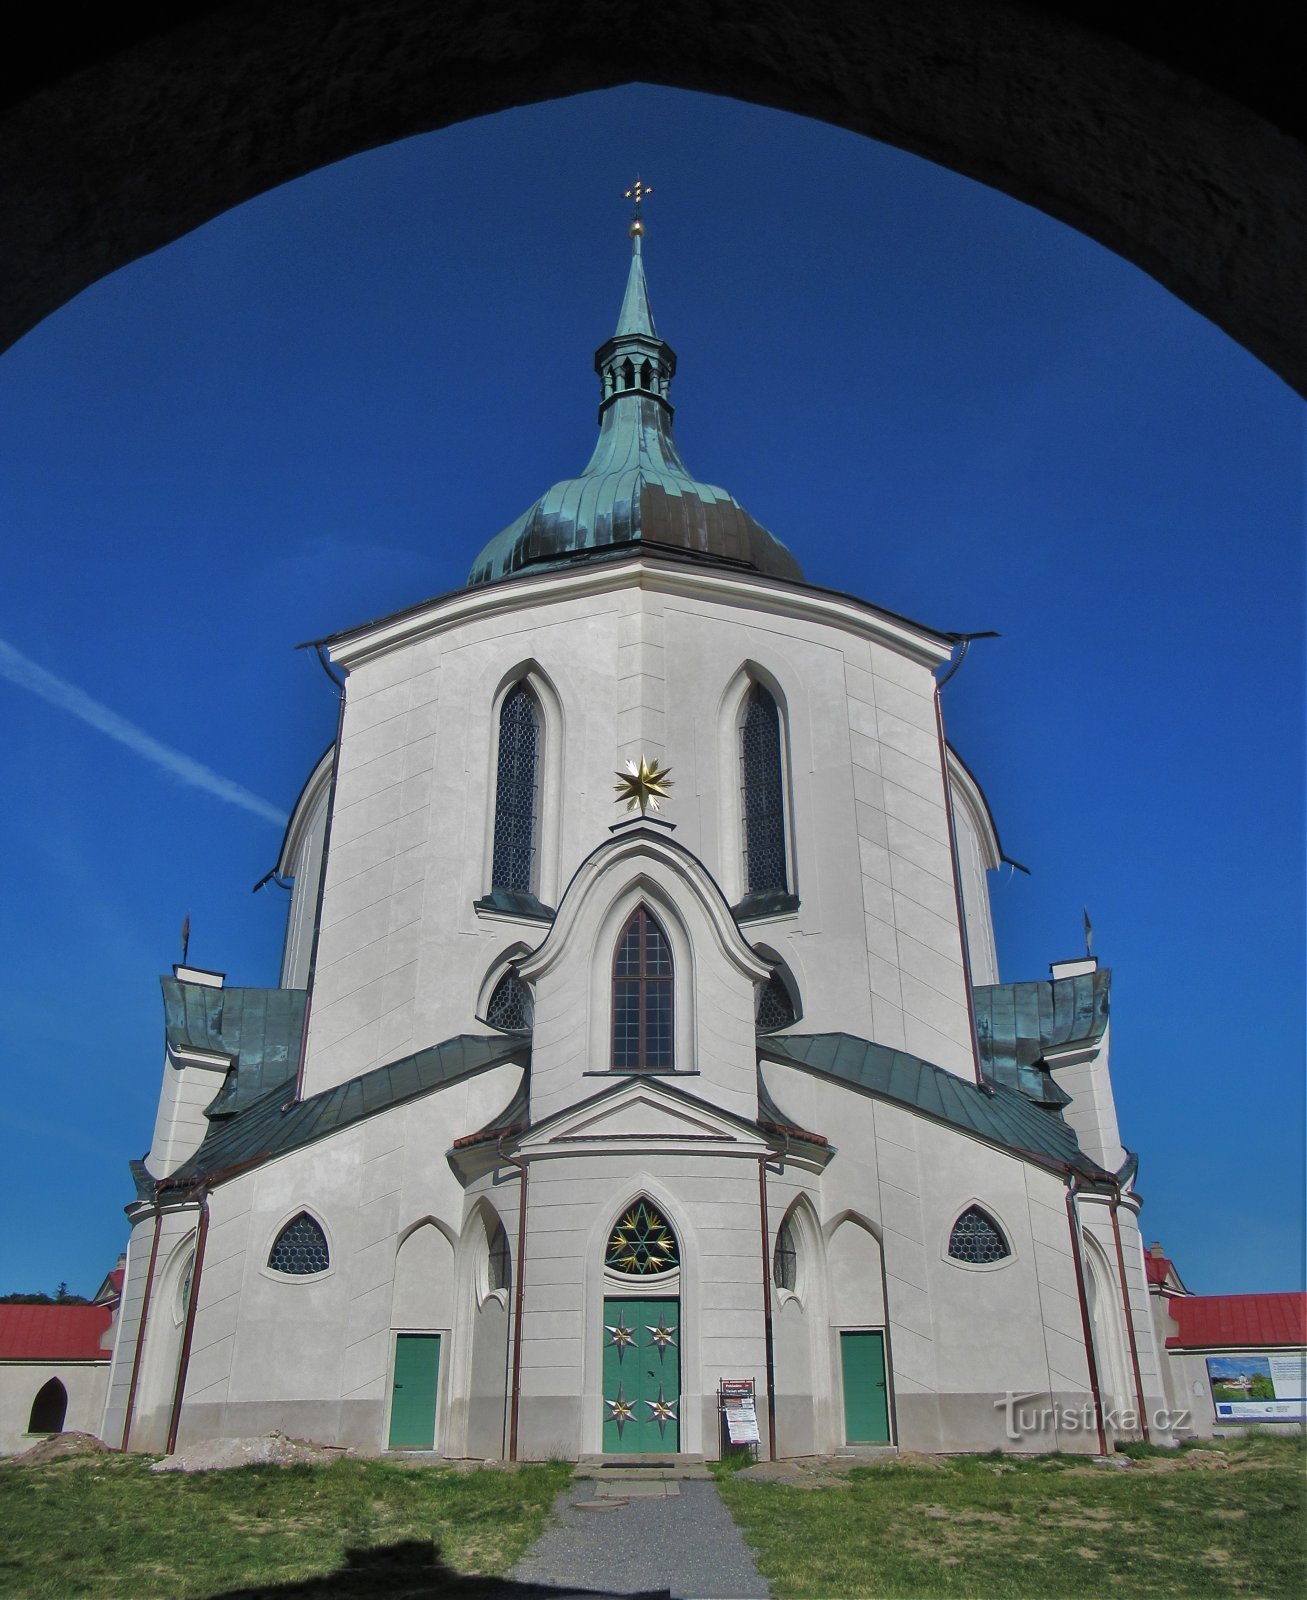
(742, 1423)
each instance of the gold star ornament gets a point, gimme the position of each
(643, 785)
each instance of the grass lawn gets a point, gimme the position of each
(106, 1525)
(1044, 1527)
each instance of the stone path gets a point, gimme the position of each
(640, 1536)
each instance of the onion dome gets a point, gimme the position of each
(636, 490)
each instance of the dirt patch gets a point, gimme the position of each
(267, 1450)
(60, 1446)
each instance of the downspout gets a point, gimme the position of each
(1073, 1223)
(322, 875)
(953, 857)
(766, 1308)
(1129, 1319)
(140, 1331)
(184, 1362)
(520, 1162)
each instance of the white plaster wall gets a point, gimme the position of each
(975, 856)
(636, 670)
(180, 1124)
(1092, 1109)
(86, 1383)
(305, 867)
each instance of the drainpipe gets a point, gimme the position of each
(1129, 1319)
(202, 1233)
(520, 1162)
(140, 1331)
(1073, 1223)
(766, 1307)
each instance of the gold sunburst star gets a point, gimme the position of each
(622, 1337)
(643, 785)
(663, 1409)
(662, 1336)
(621, 1411)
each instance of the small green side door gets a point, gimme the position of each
(866, 1397)
(642, 1376)
(413, 1394)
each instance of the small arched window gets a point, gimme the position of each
(977, 1238)
(300, 1248)
(642, 996)
(510, 1005)
(762, 795)
(517, 793)
(775, 1005)
(642, 1243)
(785, 1258)
(49, 1408)
(499, 1263)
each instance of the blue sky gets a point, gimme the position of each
(317, 408)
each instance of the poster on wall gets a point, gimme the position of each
(1262, 1387)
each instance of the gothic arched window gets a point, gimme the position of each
(977, 1238)
(510, 1005)
(300, 1248)
(785, 1258)
(517, 793)
(762, 792)
(775, 1005)
(498, 1260)
(642, 1243)
(642, 996)
(49, 1408)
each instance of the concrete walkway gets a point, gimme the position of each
(641, 1535)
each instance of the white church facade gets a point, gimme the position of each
(564, 1113)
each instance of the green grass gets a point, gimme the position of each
(106, 1526)
(1042, 1527)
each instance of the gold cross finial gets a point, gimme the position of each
(637, 194)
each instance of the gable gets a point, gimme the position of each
(643, 1112)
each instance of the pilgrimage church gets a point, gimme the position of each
(639, 1033)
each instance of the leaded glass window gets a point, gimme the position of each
(301, 1248)
(762, 793)
(775, 1008)
(517, 792)
(642, 1243)
(642, 996)
(499, 1268)
(785, 1259)
(510, 1005)
(977, 1238)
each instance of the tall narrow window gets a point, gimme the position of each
(517, 793)
(642, 996)
(762, 794)
(785, 1258)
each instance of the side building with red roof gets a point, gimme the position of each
(1231, 1360)
(54, 1369)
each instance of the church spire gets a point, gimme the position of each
(635, 362)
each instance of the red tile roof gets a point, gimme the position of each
(1252, 1320)
(53, 1333)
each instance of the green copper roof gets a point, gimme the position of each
(997, 1114)
(259, 1029)
(1016, 1023)
(275, 1123)
(636, 489)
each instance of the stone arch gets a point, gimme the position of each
(484, 1312)
(731, 710)
(424, 1277)
(855, 1270)
(49, 1408)
(1111, 1356)
(548, 706)
(1178, 147)
(799, 1328)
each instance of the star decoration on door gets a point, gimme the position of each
(662, 1336)
(643, 785)
(621, 1411)
(622, 1337)
(663, 1409)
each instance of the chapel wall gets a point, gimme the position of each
(85, 1383)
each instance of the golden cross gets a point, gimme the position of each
(637, 194)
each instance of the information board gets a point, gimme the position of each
(1265, 1386)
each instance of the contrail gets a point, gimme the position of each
(68, 697)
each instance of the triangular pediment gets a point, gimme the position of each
(642, 1114)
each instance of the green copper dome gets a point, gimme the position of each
(636, 489)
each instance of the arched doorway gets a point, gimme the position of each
(642, 1333)
(49, 1408)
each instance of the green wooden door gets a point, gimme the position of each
(642, 1376)
(413, 1394)
(866, 1398)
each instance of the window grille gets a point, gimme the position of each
(642, 996)
(499, 1268)
(510, 1005)
(642, 1243)
(977, 1238)
(517, 792)
(762, 794)
(775, 1008)
(785, 1260)
(301, 1248)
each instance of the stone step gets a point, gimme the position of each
(650, 1468)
